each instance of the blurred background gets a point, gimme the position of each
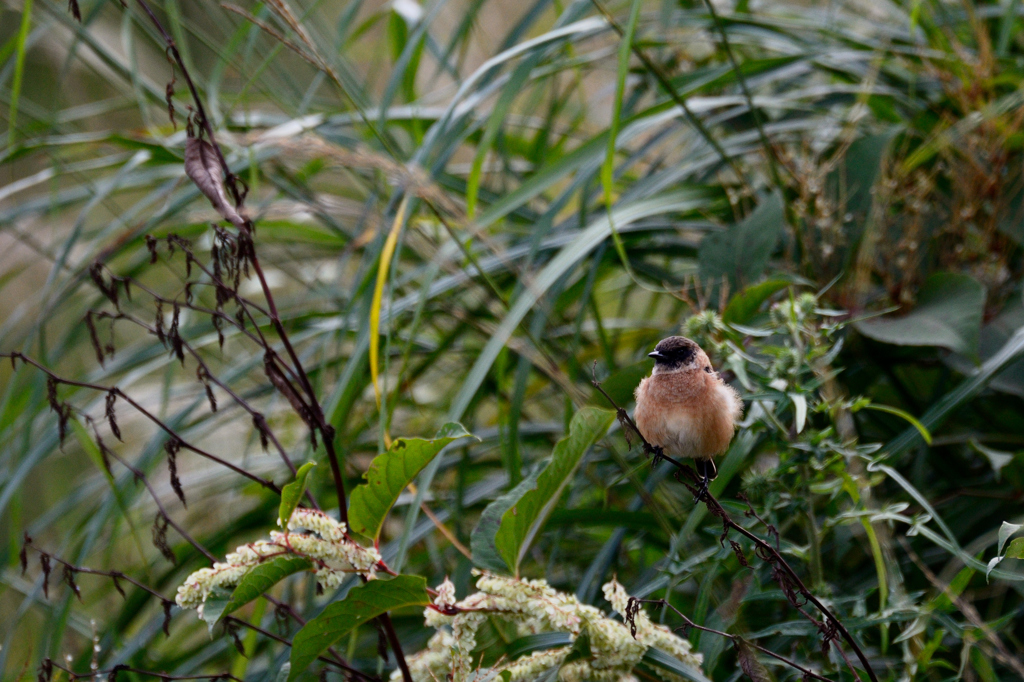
(505, 197)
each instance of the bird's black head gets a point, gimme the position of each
(674, 352)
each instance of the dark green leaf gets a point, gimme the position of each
(390, 473)
(485, 552)
(262, 578)
(580, 647)
(740, 252)
(659, 659)
(948, 315)
(745, 304)
(362, 603)
(539, 642)
(521, 523)
(213, 607)
(293, 492)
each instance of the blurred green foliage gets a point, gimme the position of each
(835, 215)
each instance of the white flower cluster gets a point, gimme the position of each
(647, 632)
(323, 542)
(534, 607)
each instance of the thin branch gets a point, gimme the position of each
(270, 485)
(111, 674)
(734, 638)
(782, 571)
(277, 638)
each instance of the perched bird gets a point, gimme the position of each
(684, 408)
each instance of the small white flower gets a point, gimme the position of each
(333, 555)
(534, 607)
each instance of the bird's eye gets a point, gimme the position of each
(708, 369)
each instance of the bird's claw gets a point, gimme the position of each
(705, 480)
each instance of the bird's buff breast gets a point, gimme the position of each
(696, 422)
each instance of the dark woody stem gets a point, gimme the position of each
(763, 550)
(327, 431)
(270, 485)
(808, 674)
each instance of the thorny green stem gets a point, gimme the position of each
(773, 555)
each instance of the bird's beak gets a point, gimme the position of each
(655, 355)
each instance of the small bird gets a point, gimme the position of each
(685, 409)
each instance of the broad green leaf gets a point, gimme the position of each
(262, 578)
(293, 492)
(937, 414)
(739, 253)
(621, 384)
(948, 315)
(520, 525)
(1016, 549)
(745, 304)
(390, 473)
(580, 647)
(362, 603)
(213, 607)
(994, 335)
(852, 187)
(482, 540)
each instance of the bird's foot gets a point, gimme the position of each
(659, 454)
(706, 476)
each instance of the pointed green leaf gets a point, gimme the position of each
(948, 315)
(580, 647)
(213, 607)
(902, 414)
(521, 523)
(1015, 550)
(262, 578)
(657, 658)
(293, 492)
(739, 253)
(745, 304)
(485, 553)
(362, 603)
(390, 473)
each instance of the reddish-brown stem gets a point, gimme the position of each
(223, 386)
(246, 233)
(728, 523)
(277, 638)
(768, 652)
(146, 413)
